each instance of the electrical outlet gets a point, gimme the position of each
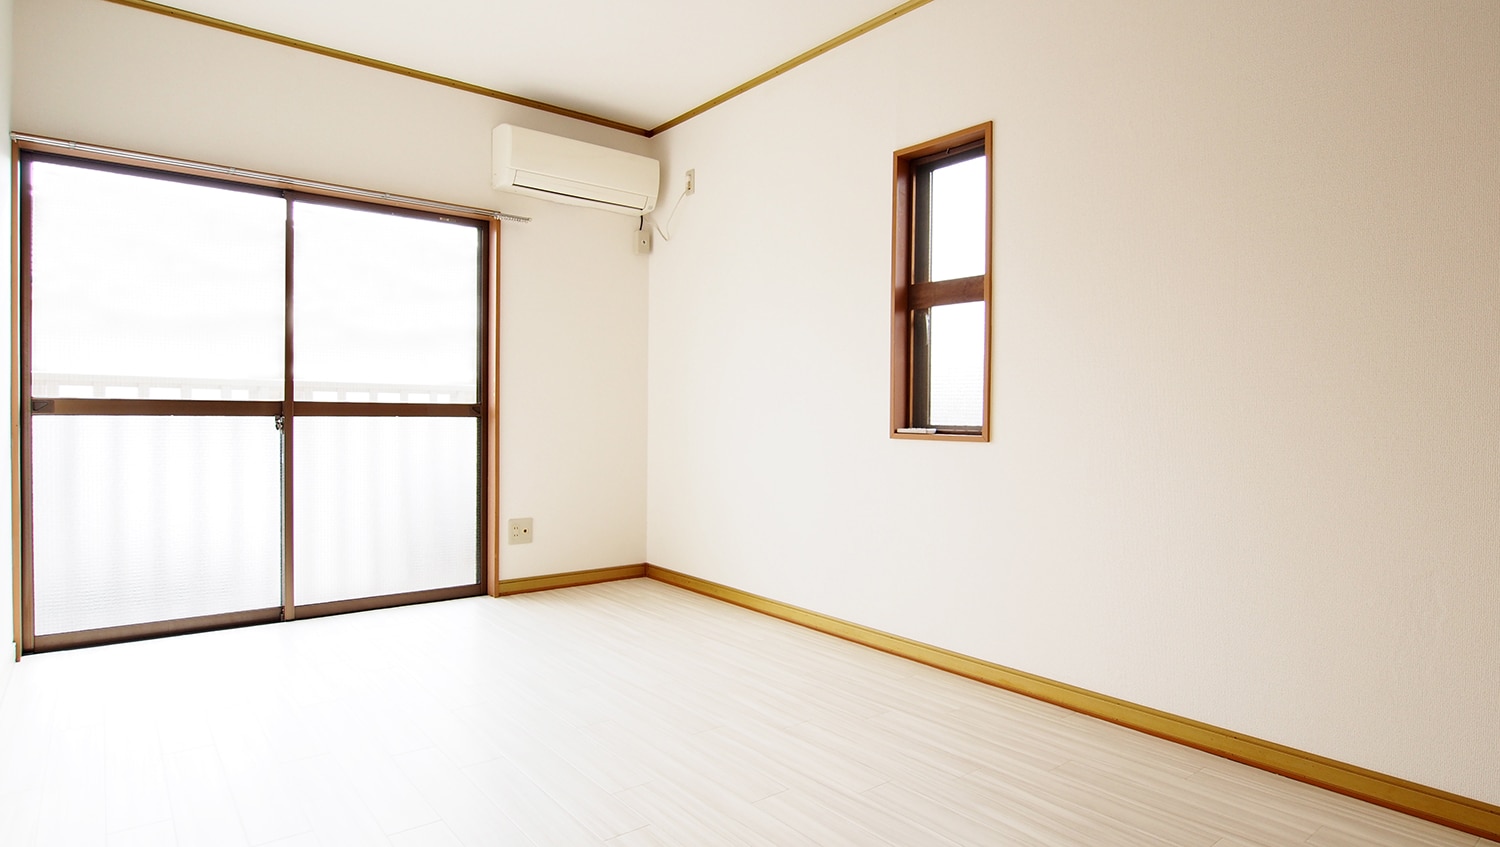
(643, 241)
(520, 530)
(692, 180)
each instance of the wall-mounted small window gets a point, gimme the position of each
(940, 290)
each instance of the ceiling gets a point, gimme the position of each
(637, 62)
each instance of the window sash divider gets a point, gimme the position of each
(245, 408)
(154, 408)
(925, 295)
(335, 409)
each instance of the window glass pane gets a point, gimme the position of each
(956, 362)
(957, 226)
(150, 519)
(386, 307)
(155, 289)
(384, 506)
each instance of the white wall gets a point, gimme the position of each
(573, 292)
(1246, 342)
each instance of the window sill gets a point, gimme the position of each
(939, 436)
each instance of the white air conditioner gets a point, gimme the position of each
(568, 171)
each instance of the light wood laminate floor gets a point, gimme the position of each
(628, 714)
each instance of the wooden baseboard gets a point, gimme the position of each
(524, 584)
(1463, 813)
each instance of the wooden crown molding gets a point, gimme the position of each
(436, 79)
(802, 59)
(389, 67)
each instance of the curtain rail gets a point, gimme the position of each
(242, 173)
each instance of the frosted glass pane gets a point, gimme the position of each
(956, 359)
(386, 307)
(957, 226)
(384, 506)
(151, 519)
(149, 288)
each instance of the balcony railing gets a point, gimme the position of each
(108, 387)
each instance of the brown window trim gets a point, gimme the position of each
(910, 294)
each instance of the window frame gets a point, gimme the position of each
(912, 293)
(485, 408)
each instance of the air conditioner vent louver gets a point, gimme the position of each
(564, 170)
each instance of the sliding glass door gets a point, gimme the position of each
(386, 371)
(241, 404)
